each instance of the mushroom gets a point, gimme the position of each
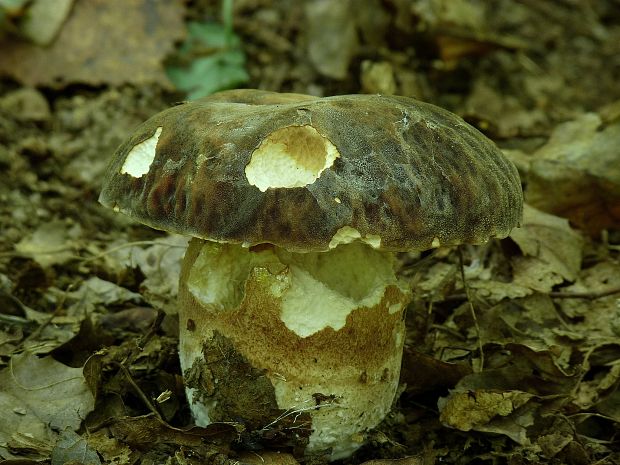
(291, 311)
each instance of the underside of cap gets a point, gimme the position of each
(307, 173)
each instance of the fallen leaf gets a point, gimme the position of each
(495, 291)
(96, 291)
(378, 78)
(332, 36)
(113, 451)
(517, 386)
(485, 410)
(89, 50)
(423, 373)
(51, 244)
(267, 458)
(404, 461)
(504, 116)
(555, 247)
(148, 430)
(39, 395)
(54, 330)
(72, 447)
(159, 262)
(434, 282)
(599, 385)
(454, 13)
(161, 265)
(576, 174)
(18, 428)
(44, 19)
(531, 321)
(54, 392)
(26, 104)
(610, 406)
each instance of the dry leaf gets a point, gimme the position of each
(495, 291)
(44, 19)
(72, 447)
(423, 373)
(555, 246)
(332, 36)
(161, 265)
(598, 318)
(96, 291)
(19, 428)
(531, 321)
(51, 244)
(25, 105)
(267, 458)
(484, 410)
(113, 451)
(38, 395)
(377, 77)
(416, 460)
(148, 430)
(102, 42)
(610, 406)
(502, 115)
(576, 174)
(516, 388)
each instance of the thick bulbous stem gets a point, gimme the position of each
(307, 346)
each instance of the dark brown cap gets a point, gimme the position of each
(307, 173)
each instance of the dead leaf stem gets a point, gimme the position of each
(141, 393)
(585, 295)
(472, 310)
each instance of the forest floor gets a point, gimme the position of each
(520, 366)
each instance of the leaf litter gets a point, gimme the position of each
(519, 364)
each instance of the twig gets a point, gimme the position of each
(59, 306)
(453, 332)
(37, 388)
(144, 339)
(585, 295)
(14, 320)
(125, 246)
(472, 309)
(554, 294)
(141, 393)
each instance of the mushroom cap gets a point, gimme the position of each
(307, 173)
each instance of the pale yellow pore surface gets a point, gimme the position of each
(139, 159)
(294, 156)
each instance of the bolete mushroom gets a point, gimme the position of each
(291, 312)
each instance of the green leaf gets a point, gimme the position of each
(216, 61)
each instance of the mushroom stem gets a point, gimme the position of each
(305, 344)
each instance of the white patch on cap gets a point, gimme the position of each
(347, 234)
(294, 156)
(140, 158)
